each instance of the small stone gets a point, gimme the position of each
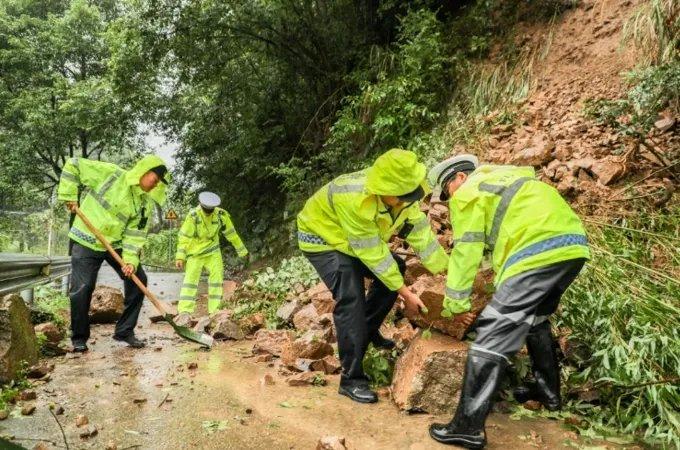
(249, 410)
(41, 446)
(268, 380)
(27, 395)
(139, 400)
(58, 410)
(306, 379)
(111, 445)
(4, 414)
(81, 420)
(331, 443)
(27, 410)
(39, 370)
(532, 405)
(263, 358)
(88, 432)
(192, 366)
(665, 124)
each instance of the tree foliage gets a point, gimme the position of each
(58, 96)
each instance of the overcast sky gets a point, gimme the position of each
(161, 146)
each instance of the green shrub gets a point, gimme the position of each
(291, 272)
(379, 365)
(50, 305)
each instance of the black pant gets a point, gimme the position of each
(85, 264)
(357, 315)
(522, 303)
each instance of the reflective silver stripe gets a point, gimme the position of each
(181, 250)
(420, 225)
(99, 195)
(540, 319)
(365, 242)
(429, 250)
(384, 265)
(181, 233)
(230, 232)
(215, 297)
(209, 250)
(131, 248)
(493, 188)
(135, 233)
(470, 236)
(506, 197)
(214, 284)
(69, 176)
(187, 297)
(342, 189)
(458, 294)
(516, 317)
(189, 286)
(84, 236)
(483, 350)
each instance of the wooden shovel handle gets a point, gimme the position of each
(120, 261)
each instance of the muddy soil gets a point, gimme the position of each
(151, 399)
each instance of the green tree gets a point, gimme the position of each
(58, 96)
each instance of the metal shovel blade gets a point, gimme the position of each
(202, 338)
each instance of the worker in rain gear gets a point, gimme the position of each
(343, 231)
(199, 246)
(538, 247)
(119, 204)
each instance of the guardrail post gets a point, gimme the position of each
(64, 284)
(27, 295)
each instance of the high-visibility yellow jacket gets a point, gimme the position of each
(345, 216)
(524, 222)
(113, 202)
(200, 234)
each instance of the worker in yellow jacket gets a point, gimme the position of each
(538, 246)
(119, 203)
(343, 230)
(199, 246)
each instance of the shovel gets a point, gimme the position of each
(187, 333)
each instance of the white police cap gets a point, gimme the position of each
(208, 200)
(441, 171)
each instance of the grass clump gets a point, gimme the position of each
(623, 312)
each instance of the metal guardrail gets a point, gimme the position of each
(19, 271)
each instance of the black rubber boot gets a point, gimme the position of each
(546, 370)
(379, 341)
(483, 374)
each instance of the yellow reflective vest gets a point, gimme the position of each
(112, 201)
(344, 216)
(525, 223)
(200, 234)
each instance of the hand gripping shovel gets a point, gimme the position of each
(187, 333)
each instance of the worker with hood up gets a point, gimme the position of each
(343, 231)
(119, 204)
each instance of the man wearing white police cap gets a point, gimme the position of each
(199, 247)
(538, 246)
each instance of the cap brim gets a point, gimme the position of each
(413, 196)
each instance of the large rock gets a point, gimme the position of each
(329, 365)
(310, 346)
(304, 319)
(431, 292)
(271, 342)
(608, 170)
(51, 332)
(222, 327)
(429, 375)
(17, 337)
(107, 305)
(288, 310)
(324, 303)
(414, 269)
(252, 323)
(538, 152)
